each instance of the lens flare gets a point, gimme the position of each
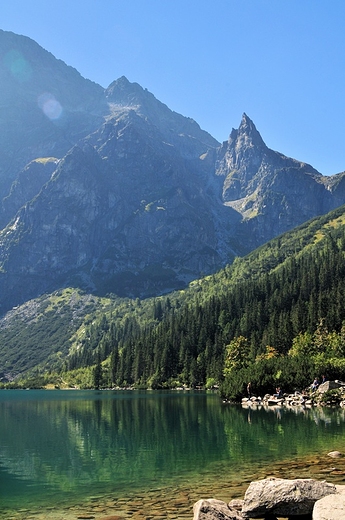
(49, 105)
(19, 67)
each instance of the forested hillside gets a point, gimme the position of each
(280, 308)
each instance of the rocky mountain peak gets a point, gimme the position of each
(175, 129)
(122, 194)
(123, 92)
(240, 159)
(246, 136)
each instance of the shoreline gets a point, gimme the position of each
(175, 501)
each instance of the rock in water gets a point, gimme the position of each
(284, 497)
(212, 509)
(331, 507)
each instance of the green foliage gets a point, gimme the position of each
(97, 374)
(290, 374)
(211, 383)
(237, 355)
(275, 316)
(38, 333)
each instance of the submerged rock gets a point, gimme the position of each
(335, 454)
(212, 509)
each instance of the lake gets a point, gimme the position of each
(131, 453)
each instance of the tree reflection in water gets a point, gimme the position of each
(67, 443)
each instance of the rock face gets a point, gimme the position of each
(28, 184)
(125, 211)
(111, 191)
(271, 192)
(283, 497)
(329, 385)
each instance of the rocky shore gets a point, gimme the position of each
(285, 499)
(176, 502)
(330, 393)
(275, 499)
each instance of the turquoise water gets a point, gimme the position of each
(60, 446)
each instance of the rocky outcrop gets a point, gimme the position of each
(330, 385)
(272, 498)
(27, 185)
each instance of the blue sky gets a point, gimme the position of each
(280, 61)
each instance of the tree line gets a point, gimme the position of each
(285, 291)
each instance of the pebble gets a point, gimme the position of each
(111, 517)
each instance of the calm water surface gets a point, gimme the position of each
(61, 447)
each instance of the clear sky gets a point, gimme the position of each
(280, 61)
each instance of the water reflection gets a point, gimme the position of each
(56, 444)
(290, 432)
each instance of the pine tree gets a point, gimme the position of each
(97, 373)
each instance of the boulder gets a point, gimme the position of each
(331, 507)
(282, 497)
(212, 509)
(329, 385)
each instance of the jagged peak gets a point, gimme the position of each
(122, 91)
(246, 123)
(121, 83)
(247, 131)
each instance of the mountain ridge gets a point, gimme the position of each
(87, 322)
(140, 200)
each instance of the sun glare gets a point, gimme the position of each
(18, 66)
(50, 105)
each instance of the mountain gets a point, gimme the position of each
(127, 210)
(46, 106)
(110, 191)
(272, 192)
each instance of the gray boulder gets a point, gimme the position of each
(329, 385)
(212, 509)
(331, 507)
(283, 497)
